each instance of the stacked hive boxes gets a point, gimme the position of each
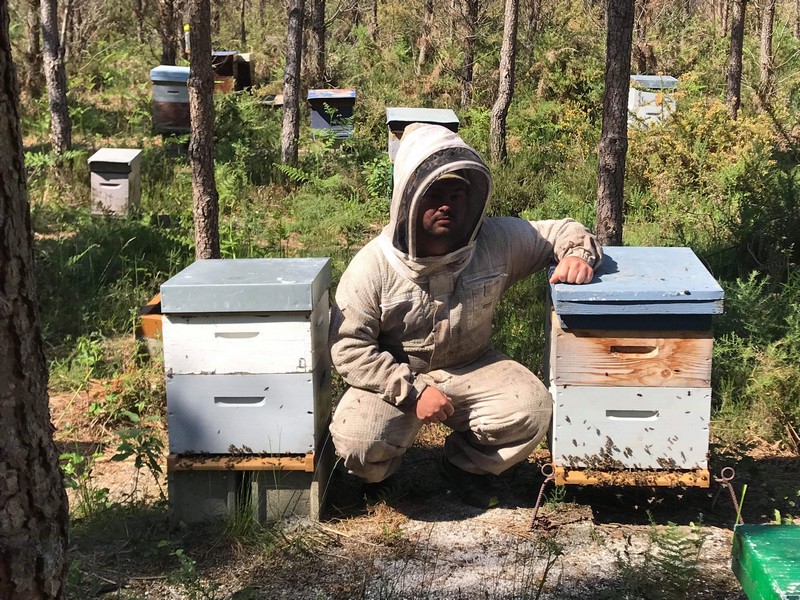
(248, 386)
(630, 370)
(170, 99)
(332, 112)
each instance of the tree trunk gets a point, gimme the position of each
(797, 19)
(734, 99)
(139, 13)
(424, 41)
(201, 143)
(242, 29)
(505, 89)
(168, 29)
(533, 27)
(66, 31)
(33, 503)
(56, 78)
(766, 81)
(614, 137)
(316, 44)
(471, 8)
(34, 78)
(291, 83)
(373, 22)
(640, 51)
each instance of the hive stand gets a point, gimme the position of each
(629, 369)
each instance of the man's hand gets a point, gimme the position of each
(433, 406)
(572, 270)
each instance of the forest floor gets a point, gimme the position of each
(418, 541)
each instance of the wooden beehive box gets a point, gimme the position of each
(332, 111)
(629, 369)
(170, 99)
(116, 180)
(398, 118)
(225, 66)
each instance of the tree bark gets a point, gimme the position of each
(614, 137)
(766, 81)
(734, 98)
(242, 28)
(201, 143)
(33, 503)
(505, 89)
(640, 51)
(797, 19)
(533, 26)
(316, 44)
(471, 8)
(424, 41)
(56, 78)
(291, 83)
(34, 78)
(373, 22)
(139, 14)
(168, 29)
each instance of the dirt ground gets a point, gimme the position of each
(418, 541)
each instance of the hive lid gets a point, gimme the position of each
(114, 159)
(332, 94)
(169, 73)
(766, 560)
(643, 280)
(247, 285)
(405, 115)
(654, 82)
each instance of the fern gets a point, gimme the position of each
(677, 558)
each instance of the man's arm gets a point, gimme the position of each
(354, 332)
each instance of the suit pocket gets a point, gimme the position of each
(482, 295)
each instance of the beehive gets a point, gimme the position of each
(398, 118)
(332, 111)
(247, 371)
(115, 177)
(170, 99)
(629, 369)
(651, 99)
(225, 66)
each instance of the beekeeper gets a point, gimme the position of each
(412, 321)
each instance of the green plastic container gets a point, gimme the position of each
(766, 560)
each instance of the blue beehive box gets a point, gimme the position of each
(398, 118)
(629, 368)
(332, 111)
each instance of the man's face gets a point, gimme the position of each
(443, 220)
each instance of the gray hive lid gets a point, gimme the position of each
(404, 116)
(169, 74)
(108, 160)
(332, 94)
(654, 82)
(643, 281)
(247, 285)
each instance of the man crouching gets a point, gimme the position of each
(412, 322)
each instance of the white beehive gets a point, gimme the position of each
(651, 99)
(245, 354)
(400, 117)
(116, 180)
(630, 367)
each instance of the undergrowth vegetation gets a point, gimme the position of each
(727, 189)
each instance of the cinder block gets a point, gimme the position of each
(203, 496)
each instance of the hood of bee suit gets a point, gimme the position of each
(426, 153)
